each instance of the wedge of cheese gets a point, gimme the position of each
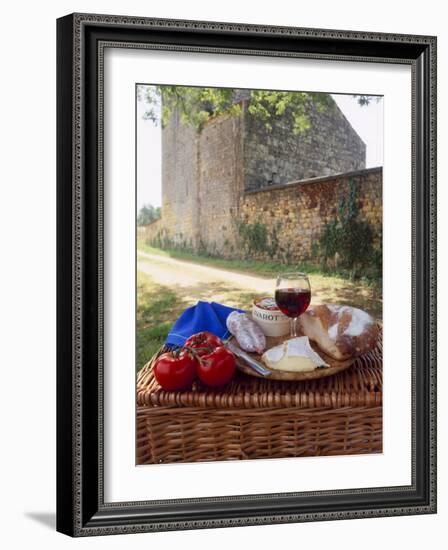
(294, 355)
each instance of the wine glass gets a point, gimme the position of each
(293, 296)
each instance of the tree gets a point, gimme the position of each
(352, 238)
(148, 214)
(197, 105)
(365, 100)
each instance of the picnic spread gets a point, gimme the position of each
(231, 384)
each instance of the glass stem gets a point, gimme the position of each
(293, 327)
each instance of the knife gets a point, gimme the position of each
(254, 364)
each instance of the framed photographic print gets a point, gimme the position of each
(246, 274)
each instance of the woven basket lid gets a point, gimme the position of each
(358, 386)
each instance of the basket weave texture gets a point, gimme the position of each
(257, 418)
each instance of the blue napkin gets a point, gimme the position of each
(209, 316)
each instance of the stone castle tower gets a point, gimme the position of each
(207, 175)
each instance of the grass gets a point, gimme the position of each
(264, 269)
(157, 306)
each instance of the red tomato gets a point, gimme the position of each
(203, 342)
(217, 368)
(175, 371)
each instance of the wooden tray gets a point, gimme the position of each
(334, 368)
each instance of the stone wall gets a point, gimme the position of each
(234, 174)
(151, 232)
(278, 156)
(202, 180)
(295, 214)
(180, 189)
(220, 184)
(292, 216)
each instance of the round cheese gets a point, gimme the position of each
(294, 355)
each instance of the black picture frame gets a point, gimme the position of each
(81, 510)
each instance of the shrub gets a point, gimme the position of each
(350, 239)
(256, 238)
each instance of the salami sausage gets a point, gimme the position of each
(248, 334)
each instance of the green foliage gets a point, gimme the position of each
(148, 214)
(364, 293)
(197, 105)
(366, 100)
(258, 267)
(268, 105)
(162, 240)
(274, 241)
(256, 238)
(348, 240)
(253, 239)
(157, 305)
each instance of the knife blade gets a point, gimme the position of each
(253, 363)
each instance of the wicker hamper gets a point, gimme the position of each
(258, 418)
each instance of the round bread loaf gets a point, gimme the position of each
(340, 331)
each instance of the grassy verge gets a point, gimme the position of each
(266, 269)
(160, 303)
(157, 306)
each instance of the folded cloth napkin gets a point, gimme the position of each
(209, 316)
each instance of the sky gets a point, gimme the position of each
(149, 160)
(367, 121)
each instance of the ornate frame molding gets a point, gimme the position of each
(81, 509)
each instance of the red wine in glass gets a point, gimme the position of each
(292, 301)
(293, 296)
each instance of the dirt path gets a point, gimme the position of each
(194, 282)
(169, 271)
